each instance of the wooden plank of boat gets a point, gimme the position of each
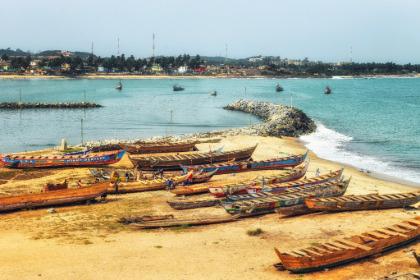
(398, 229)
(388, 232)
(377, 234)
(352, 244)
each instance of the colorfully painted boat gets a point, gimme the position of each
(240, 188)
(269, 202)
(97, 159)
(159, 147)
(245, 166)
(52, 198)
(279, 187)
(342, 250)
(363, 202)
(146, 185)
(200, 177)
(221, 191)
(174, 162)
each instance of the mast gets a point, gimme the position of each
(153, 45)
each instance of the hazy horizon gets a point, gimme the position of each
(324, 30)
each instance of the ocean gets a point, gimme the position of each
(369, 123)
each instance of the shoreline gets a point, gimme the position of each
(82, 232)
(183, 77)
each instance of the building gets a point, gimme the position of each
(4, 66)
(182, 69)
(156, 68)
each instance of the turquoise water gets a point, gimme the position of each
(369, 123)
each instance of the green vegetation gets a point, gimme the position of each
(254, 232)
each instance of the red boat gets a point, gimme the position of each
(96, 159)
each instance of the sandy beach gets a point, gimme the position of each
(87, 242)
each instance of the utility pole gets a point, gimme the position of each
(118, 46)
(81, 130)
(91, 49)
(153, 45)
(351, 54)
(226, 55)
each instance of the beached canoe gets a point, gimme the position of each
(182, 203)
(279, 187)
(52, 198)
(245, 166)
(241, 188)
(185, 222)
(363, 202)
(145, 185)
(159, 147)
(97, 159)
(272, 201)
(221, 191)
(174, 162)
(341, 250)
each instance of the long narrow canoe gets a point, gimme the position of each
(174, 162)
(221, 191)
(52, 198)
(363, 202)
(290, 175)
(181, 203)
(97, 159)
(145, 185)
(185, 222)
(272, 201)
(279, 187)
(341, 250)
(159, 147)
(245, 166)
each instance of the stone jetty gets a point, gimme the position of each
(18, 105)
(279, 120)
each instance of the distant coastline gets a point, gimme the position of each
(139, 76)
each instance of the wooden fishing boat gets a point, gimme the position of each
(146, 185)
(96, 149)
(104, 158)
(144, 218)
(239, 188)
(200, 177)
(182, 203)
(159, 147)
(174, 162)
(272, 201)
(343, 250)
(221, 191)
(52, 198)
(244, 166)
(185, 222)
(279, 187)
(363, 202)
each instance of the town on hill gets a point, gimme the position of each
(67, 63)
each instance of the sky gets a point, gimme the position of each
(327, 30)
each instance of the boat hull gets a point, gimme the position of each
(23, 162)
(150, 148)
(176, 161)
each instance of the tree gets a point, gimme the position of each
(5, 57)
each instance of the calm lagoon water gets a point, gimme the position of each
(369, 123)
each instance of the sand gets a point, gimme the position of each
(86, 242)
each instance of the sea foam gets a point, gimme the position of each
(329, 144)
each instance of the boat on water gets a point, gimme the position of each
(61, 196)
(363, 202)
(279, 88)
(269, 201)
(119, 86)
(342, 250)
(213, 93)
(178, 88)
(49, 161)
(279, 187)
(159, 147)
(174, 162)
(245, 166)
(242, 188)
(327, 90)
